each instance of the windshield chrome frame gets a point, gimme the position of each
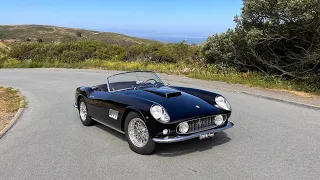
(108, 85)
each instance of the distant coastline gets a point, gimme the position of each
(192, 40)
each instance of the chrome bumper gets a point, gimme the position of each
(169, 139)
(75, 105)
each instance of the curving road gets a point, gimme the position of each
(270, 140)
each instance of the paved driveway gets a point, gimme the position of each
(270, 140)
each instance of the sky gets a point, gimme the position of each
(177, 18)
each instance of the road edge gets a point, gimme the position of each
(282, 100)
(16, 117)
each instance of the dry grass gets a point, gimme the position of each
(9, 105)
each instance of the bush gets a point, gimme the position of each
(2, 60)
(77, 51)
(78, 33)
(138, 51)
(159, 52)
(275, 38)
(11, 63)
(110, 52)
(67, 52)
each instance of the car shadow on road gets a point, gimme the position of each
(179, 148)
(191, 146)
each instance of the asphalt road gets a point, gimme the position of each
(270, 140)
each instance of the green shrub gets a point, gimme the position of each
(275, 38)
(81, 50)
(2, 60)
(159, 52)
(11, 63)
(110, 52)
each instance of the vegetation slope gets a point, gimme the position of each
(26, 33)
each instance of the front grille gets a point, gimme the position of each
(201, 124)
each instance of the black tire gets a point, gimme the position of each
(149, 147)
(87, 121)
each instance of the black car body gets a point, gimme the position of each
(111, 103)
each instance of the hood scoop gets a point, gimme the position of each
(164, 92)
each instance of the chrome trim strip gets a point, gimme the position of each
(195, 135)
(75, 105)
(108, 85)
(122, 89)
(103, 123)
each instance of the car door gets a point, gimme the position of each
(106, 109)
(95, 106)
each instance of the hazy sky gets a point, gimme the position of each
(193, 18)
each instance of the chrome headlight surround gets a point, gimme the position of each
(159, 113)
(222, 103)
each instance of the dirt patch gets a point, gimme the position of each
(9, 105)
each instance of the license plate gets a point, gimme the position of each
(205, 136)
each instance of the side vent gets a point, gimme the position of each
(113, 114)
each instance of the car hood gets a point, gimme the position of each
(179, 105)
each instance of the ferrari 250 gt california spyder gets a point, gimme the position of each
(139, 105)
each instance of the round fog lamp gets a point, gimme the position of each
(184, 127)
(165, 131)
(218, 120)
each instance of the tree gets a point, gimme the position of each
(274, 37)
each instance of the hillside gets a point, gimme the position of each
(23, 33)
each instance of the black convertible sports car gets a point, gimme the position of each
(147, 111)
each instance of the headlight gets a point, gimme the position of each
(223, 103)
(159, 113)
(183, 127)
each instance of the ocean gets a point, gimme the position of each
(177, 39)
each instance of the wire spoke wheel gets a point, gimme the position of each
(83, 111)
(138, 132)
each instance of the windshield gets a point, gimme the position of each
(131, 80)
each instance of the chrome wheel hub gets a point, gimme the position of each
(138, 132)
(83, 111)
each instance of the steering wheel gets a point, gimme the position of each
(155, 81)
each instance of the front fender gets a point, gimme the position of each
(153, 125)
(143, 113)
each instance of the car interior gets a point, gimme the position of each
(118, 86)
